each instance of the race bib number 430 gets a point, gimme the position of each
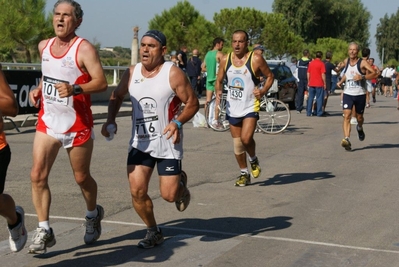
(50, 93)
(236, 92)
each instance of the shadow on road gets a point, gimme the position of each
(375, 146)
(109, 253)
(289, 178)
(381, 122)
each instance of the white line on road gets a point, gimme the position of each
(284, 239)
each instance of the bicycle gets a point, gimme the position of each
(217, 120)
(274, 115)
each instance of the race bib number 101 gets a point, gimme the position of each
(50, 93)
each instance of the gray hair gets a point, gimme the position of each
(78, 10)
(354, 43)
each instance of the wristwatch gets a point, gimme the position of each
(76, 89)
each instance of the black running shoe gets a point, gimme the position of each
(360, 133)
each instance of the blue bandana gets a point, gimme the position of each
(157, 35)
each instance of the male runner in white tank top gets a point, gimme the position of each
(156, 89)
(71, 71)
(243, 70)
(357, 71)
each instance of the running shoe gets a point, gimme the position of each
(255, 168)
(345, 143)
(353, 121)
(374, 100)
(360, 133)
(18, 234)
(93, 226)
(42, 240)
(243, 180)
(184, 201)
(367, 105)
(151, 239)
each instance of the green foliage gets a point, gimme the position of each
(23, 24)
(337, 47)
(279, 39)
(314, 19)
(248, 19)
(183, 25)
(122, 52)
(387, 37)
(392, 62)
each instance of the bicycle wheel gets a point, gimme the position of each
(274, 116)
(217, 121)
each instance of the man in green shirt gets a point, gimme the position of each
(211, 65)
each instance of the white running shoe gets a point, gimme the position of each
(93, 226)
(42, 239)
(18, 234)
(353, 121)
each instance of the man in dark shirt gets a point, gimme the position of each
(182, 57)
(303, 80)
(193, 69)
(329, 68)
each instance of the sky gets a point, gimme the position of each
(111, 23)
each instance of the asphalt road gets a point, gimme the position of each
(313, 205)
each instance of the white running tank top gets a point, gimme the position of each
(240, 82)
(68, 114)
(155, 104)
(352, 87)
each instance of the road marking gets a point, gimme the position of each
(284, 239)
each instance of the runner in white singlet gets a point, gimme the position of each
(243, 69)
(357, 71)
(71, 70)
(156, 89)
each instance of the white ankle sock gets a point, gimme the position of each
(45, 225)
(92, 214)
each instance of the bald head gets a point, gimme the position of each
(195, 52)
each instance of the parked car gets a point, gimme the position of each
(286, 82)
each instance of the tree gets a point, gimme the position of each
(337, 47)
(387, 37)
(23, 24)
(314, 19)
(183, 25)
(279, 39)
(248, 19)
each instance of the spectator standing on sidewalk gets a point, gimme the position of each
(303, 64)
(14, 215)
(71, 71)
(316, 76)
(182, 57)
(211, 66)
(330, 68)
(156, 88)
(194, 71)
